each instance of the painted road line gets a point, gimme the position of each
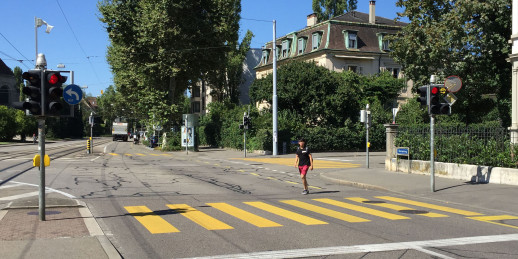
(168, 155)
(431, 206)
(152, 222)
(245, 215)
(398, 208)
(370, 248)
(128, 154)
(324, 211)
(10, 186)
(139, 154)
(291, 182)
(492, 219)
(255, 174)
(113, 154)
(314, 187)
(199, 217)
(94, 159)
(271, 178)
(318, 164)
(19, 196)
(286, 213)
(154, 154)
(361, 209)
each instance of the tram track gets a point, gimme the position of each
(49, 151)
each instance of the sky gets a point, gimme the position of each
(79, 40)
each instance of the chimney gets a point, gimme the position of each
(312, 19)
(372, 12)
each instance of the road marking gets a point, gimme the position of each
(398, 208)
(286, 213)
(314, 187)
(491, 219)
(94, 159)
(113, 154)
(19, 196)
(166, 155)
(154, 154)
(318, 163)
(431, 206)
(371, 248)
(245, 215)
(128, 154)
(365, 210)
(255, 174)
(199, 217)
(324, 211)
(291, 182)
(152, 222)
(10, 186)
(139, 154)
(271, 178)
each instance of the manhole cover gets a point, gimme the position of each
(48, 212)
(413, 211)
(374, 202)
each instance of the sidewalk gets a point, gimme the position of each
(69, 231)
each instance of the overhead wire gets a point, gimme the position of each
(19, 60)
(77, 40)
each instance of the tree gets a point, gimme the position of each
(327, 9)
(7, 123)
(464, 38)
(17, 71)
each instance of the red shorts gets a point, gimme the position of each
(303, 170)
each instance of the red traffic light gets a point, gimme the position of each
(435, 90)
(55, 78)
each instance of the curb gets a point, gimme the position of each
(354, 184)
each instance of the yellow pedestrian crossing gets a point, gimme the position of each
(397, 207)
(199, 217)
(430, 206)
(286, 213)
(363, 209)
(324, 211)
(152, 222)
(155, 224)
(244, 215)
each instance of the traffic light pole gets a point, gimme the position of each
(432, 153)
(41, 148)
(244, 140)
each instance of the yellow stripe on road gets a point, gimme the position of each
(318, 164)
(152, 222)
(255, 174)
(324, 211)
(128, 154)
(113, 154)
(286, 213)
(291, 182)
(314, 187)
(365, 210)
(154, 154)
(491, 219)
(397, 207)
(244, 215)
(140, 154)
(431, 206)
(199, 217)
(166, 155)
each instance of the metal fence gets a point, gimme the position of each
(488, 146)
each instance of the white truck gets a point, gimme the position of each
(120, 131)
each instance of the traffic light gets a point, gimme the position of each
(32, 90)
(438, 104)
(423, 95)
(54, 93)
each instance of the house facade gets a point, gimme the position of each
(8, 91)
(354, 41)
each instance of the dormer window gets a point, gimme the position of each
(383, 42)
(301, 45)
(352, 40)
(316, 40)
(278, 51)
(286, 45)
(265, 56)
(385, 45)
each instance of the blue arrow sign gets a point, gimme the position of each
(72, 94)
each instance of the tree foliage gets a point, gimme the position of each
(464, 38)
(327, 9)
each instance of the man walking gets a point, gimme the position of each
(304, 161)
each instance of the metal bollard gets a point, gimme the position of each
(88, 146)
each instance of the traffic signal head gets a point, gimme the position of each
(423, 95)
(33, 91)
(438, 104)
(53, 92)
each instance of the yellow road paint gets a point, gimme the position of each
(365, 210)
(291, 182)
(286, 213)
(431, 206)
(398, 208)
(318, 164)
(154, 154)
(216, 164)
(152, 222)
(244, 215)
(314, 187)
(491, 219)
(271, 178)
(324, 211)
(242, 171)
(255, 174)
(113, 154)
(199, 217)
(128, 154)
(166, 155)
(139, 154)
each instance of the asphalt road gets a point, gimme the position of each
(215, 203)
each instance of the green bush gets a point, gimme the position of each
(7, 123)
(174, 142)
